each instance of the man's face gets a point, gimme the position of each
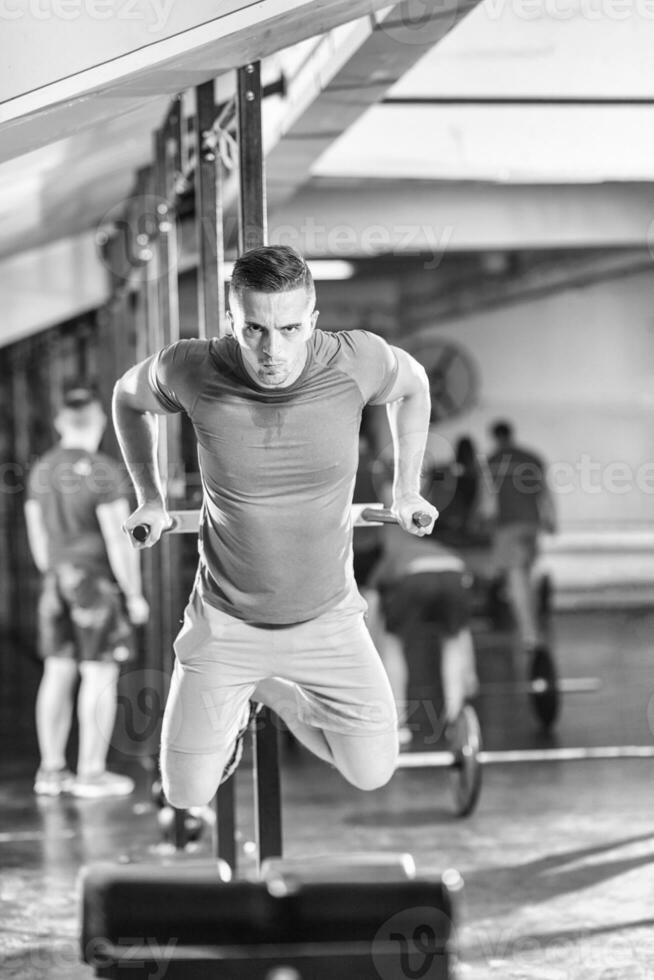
(273, 330)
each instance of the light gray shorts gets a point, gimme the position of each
(340, 682)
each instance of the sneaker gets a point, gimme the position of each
(232, 765)
(102, 785)
(53, 782)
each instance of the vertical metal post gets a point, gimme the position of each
(211, 317)
(209, 218)
(167, 166)
(253, 225)
(252, 234)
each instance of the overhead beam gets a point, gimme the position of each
(173, 64)
(346, 74)
(361, 218)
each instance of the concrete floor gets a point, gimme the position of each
(558, 859)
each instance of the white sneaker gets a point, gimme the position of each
(101, 785)
(53, 782)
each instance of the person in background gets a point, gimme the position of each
(462, 509)
(76, 507)
(417, 580)
(523, 510)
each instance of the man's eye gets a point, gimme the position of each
(291, 329)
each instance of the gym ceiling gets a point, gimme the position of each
(379, 102)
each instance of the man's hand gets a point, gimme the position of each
(138, 609)
(154, 516)
(406, 506)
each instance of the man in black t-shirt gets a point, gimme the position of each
(523, 509)
(77, 504)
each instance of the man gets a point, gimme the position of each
(421, 582)
(275, 615)
(75, 511)
(523, 508)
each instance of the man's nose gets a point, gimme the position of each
(270, 343)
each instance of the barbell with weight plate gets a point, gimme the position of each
(467, 759)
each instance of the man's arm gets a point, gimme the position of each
(37, 535)
(134, 408)
(123, 560)
(408, 408)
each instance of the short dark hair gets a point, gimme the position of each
(271, 269)
(79, 392)
(502, 430)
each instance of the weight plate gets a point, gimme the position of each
(465, 743)
(544, 694)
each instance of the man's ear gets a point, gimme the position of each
(230, 323)
(314, 318)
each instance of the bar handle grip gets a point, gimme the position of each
(384, 516)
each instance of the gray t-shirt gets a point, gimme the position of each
(69, 484)
(278, 469)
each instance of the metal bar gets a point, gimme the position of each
(226, 823)
(500, 100)
(565, 685)
(209, 219)
(252, 203)
(185, 521)
(446, 760)
(267, 789)
(253, 234)
(167, 144)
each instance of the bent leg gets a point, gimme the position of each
(366, 761)
(340, 699)
(283, 698)
(191, 780)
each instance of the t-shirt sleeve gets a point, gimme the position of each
(174, 375)
(374, 365)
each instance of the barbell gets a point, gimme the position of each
(466, 758)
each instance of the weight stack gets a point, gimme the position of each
(140, 921)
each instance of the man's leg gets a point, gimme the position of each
(96, 713)
(218, 663)
(335, 695)
(54, 710)
(522, 602)
(458, 672)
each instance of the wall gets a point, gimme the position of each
(574, 370)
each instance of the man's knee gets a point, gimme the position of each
(371, 771)
(369, 779)
(189, 780)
